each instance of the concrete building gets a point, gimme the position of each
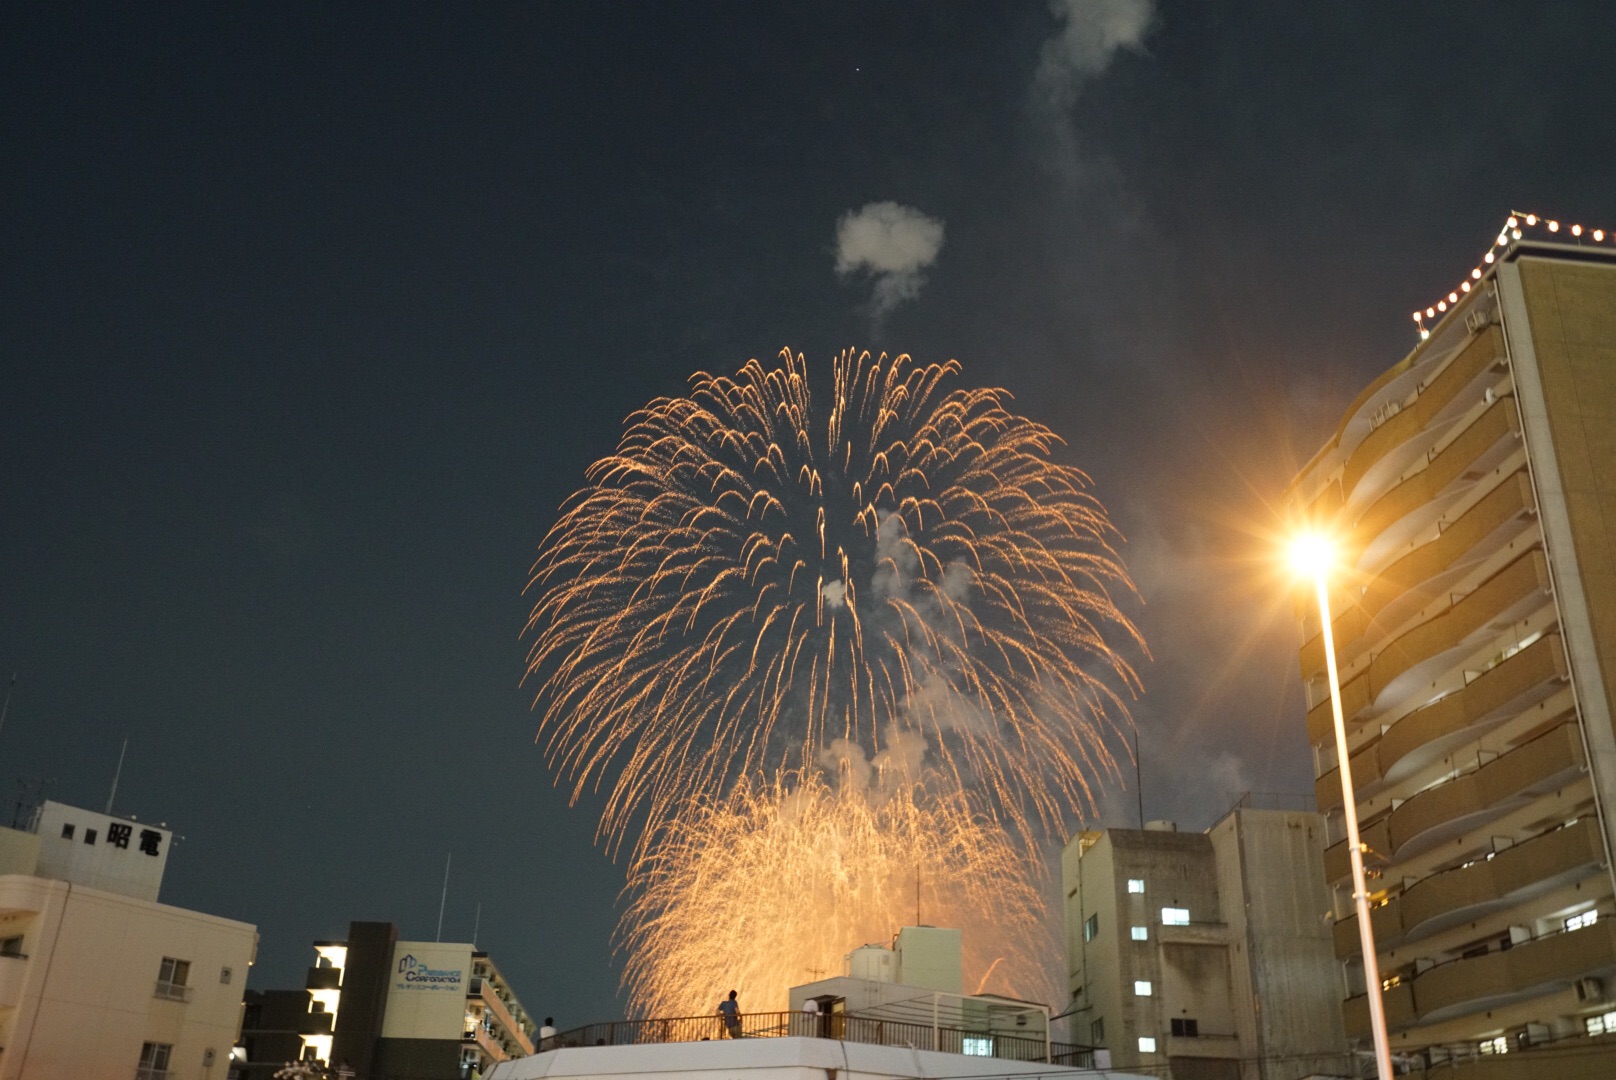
(1205, 956)
(404, 1010)
(909, 992)
(98, 980)
(1473, 486)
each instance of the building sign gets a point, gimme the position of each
(414, 974)
(426, 991)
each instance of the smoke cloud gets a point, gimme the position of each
(1091, 33)
(891, 244)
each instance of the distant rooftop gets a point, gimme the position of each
(786, 1058)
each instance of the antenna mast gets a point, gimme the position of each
(444, 899)
(113, 794)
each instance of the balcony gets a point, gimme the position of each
(168, 991)
(1415, 656)
(1222, 1047)
(1510, 877)
(1461, 987)
(1377, 841)
(316, 1023)
(1474, 451)
(13, 977)
(1420, 577)
(1426, 734)
(1391, 447)
(1512, 779)
(323, 978)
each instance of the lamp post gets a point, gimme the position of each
(1312, 556)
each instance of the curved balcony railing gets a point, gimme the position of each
(1448, 466)
(1426, 734)
(1489, 791)
(1497, 787)
(1500, 597)
(1419, 577)
(1511, 876)
(1472, 984)
(1404, 428)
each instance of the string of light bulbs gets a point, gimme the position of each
(1513, 230)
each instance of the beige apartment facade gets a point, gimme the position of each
(1205, 955)
(1473, 487)
(102, 982)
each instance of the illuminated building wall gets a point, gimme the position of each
(1204, 956)
(388, 1008)
(98, 981)
(1473, 487)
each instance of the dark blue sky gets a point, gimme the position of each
(311, 315)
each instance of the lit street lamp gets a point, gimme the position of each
(1312, 556)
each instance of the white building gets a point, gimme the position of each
(99, 981)
(781, 1059)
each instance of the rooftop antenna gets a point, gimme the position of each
(7, 706)
(444, 899)
(1138, 777)
(113, 794)
(478, 925)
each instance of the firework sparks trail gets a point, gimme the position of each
(772, 886)
(751, 591)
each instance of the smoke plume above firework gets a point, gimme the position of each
(893, 245)
(885, 615)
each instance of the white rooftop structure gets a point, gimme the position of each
(781, 1059)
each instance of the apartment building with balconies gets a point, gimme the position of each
(98, 980)
(379, 1007)
(1472, 489)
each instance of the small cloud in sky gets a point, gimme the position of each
(891, 244)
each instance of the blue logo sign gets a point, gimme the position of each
(416, 975)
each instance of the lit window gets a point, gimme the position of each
(1140, 933)
(1499, 1045)
(1141, 988)
(1587, 918)
(1147, 1045)
(1136, 885)
(976, 1046)
(1175, 916)
(1091, 928)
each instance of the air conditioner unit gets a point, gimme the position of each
(1478, 320)
(1590, 989)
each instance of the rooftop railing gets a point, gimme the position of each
(847, 1027)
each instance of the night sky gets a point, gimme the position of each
(311, 315)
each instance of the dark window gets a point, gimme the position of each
(1476, 950)
(118, 835)
(1097, 1031)
(89, 838)
(1091, 928)
(154, 1061)
(149, 839)
(1186, 1028)
(67, 831)
(11, 946)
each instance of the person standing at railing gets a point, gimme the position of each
(546, 1032)
(810, 1016)
(730, 1010)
